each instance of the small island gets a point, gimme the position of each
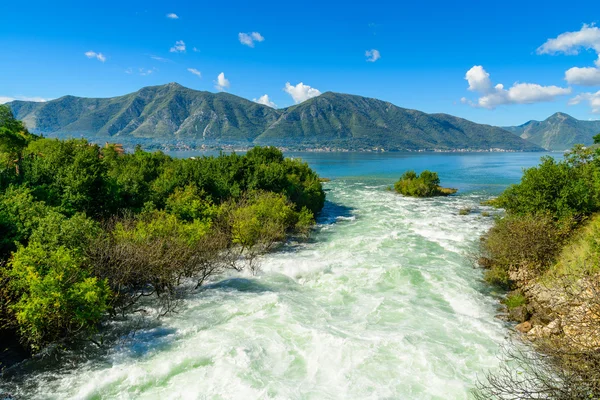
(427, 184)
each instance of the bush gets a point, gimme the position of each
(425, 185)
(531, 240)
(57, 295)
(94, 229)
(562, 189)
(189, 204)
(515, 300)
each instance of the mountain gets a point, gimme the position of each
(172, 112)
(558, 132)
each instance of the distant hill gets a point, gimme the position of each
(172, 112)
(558, 132)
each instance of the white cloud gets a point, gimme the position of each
(196, 50)
(301, 92)
(129, 70)
(222, 83)
(93, 54)
(519, 93)
(588, 37)
(172, 16)
(372, 55)
(264, 100)
(479, 79)
(592, 98)
(249, 38)
(161, 59)
(179, 47)
(7, 99)
(195, 72)
(588, 76)
(146, 72)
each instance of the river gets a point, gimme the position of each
(381, 303)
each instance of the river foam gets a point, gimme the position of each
(381, 304)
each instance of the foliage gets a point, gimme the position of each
(580, 257)
(531, 240)
(58, 296)
(514, 300)
(427, 184)
(550, 237)
(567, 188)
(86, 231)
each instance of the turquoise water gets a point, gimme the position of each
(382, 303)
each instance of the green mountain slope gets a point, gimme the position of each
(336, 119)
(173, 112)
(558, 132)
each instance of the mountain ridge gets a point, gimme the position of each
(173, 112)
(558, 132)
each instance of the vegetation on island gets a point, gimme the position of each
(546, 252)
(426, 184)
(87, 231)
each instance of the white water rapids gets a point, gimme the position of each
(381, 304)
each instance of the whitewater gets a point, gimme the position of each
(382, 302)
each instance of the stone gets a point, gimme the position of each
(524, 327)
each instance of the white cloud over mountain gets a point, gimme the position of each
(593, 99)
(222, 83)
(301, 92)
(264, 100)
(587, 38)
(195, 72)
(8, 99)
(492, 96)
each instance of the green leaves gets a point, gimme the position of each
(424, 185)
(57, 294)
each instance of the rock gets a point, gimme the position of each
(518, 314)
(535, 332)
(553, 328)
(524, 327)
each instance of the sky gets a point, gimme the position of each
(499, 63)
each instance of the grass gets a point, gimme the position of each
(446, 191)
(580, 257)
(515, 300)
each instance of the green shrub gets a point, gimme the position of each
(562, 189)
(189, 203)
(58, 296)
(533, 240)
(515, 300)
(464, 211)
(425, 185)
(498, 275)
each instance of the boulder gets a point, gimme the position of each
(524, 327)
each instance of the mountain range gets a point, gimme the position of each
(172, 112)
(560, 131)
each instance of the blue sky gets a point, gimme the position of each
(424, 50)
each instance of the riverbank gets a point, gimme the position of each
(546, 252)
